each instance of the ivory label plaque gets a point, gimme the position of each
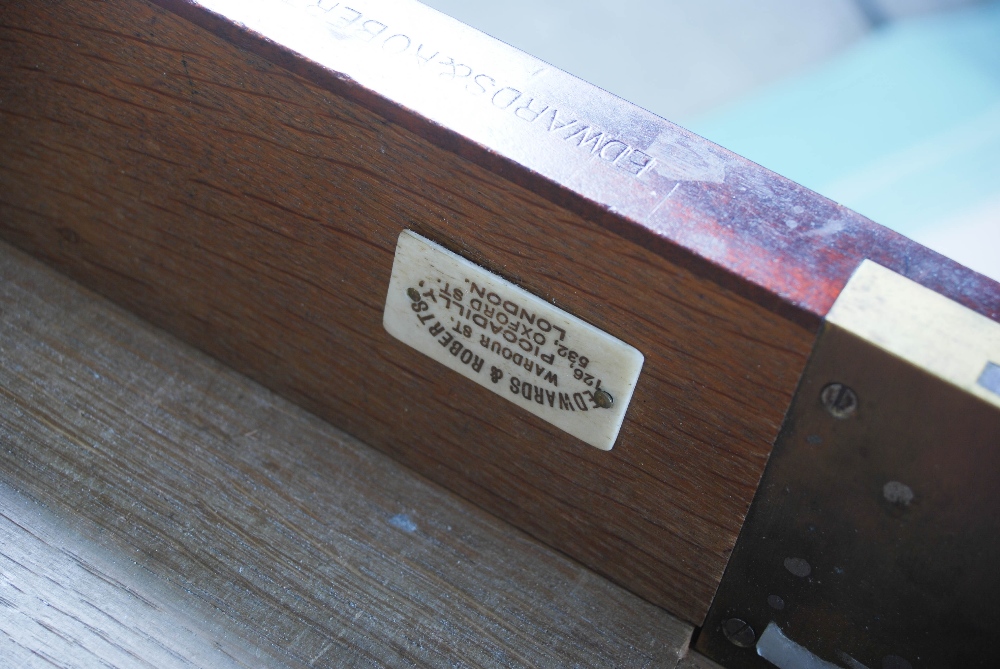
(534, 354)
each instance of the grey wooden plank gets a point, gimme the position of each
(695, 660)
(226, 522)
(68, 601)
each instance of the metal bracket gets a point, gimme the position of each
(874, 537)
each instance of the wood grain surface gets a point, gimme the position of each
(158, 509)
(68, 601)
(254, 213)
(695, 660)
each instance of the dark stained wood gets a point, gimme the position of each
(255, 214)
(159, 510)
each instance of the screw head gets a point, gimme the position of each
(839, 400)
(739, 633)
(603, 399)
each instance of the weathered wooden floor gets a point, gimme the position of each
(158, 509)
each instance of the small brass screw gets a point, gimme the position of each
(839, 400)
(603, 399)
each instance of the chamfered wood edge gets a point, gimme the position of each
(798, 279)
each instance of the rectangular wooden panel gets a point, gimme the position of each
(252, 208)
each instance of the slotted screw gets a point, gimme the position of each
(603, 399)
(739, 633)
(839, 400)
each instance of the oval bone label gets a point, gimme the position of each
(537, 356)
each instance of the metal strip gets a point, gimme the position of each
(874, 537)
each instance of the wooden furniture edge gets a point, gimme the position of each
(717, 213)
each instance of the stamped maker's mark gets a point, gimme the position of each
(493, 332)
(561, 124)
